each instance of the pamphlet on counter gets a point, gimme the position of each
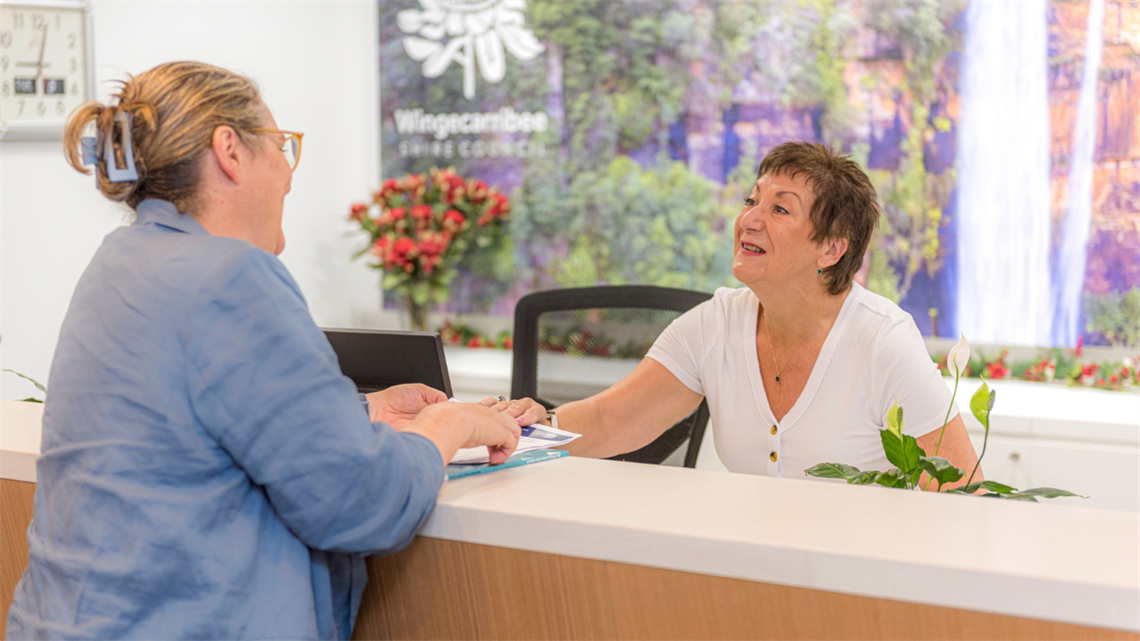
(526, 458)
(534, 437)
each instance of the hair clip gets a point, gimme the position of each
(89, 146)
(114, 174)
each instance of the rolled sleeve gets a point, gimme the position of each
(267, 387)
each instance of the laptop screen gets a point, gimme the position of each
(379, 359)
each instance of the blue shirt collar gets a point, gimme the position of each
(153, 211)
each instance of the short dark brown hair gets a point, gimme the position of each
(845, 202)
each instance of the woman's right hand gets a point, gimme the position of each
(451, 426)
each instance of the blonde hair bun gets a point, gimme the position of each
(174, 110)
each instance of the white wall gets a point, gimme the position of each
(316, 63)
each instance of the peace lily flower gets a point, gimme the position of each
(959, 357)
(478, 32)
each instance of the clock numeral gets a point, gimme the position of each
(58, 22)
(60, 109)
(7, 90)
(41, 109)
(5, 39)
(72, 38)
(38, 21)
(18, 20)
(75, 89)
(73, 65)
(4, 63)
(21, 101)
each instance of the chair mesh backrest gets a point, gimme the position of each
(584, 351)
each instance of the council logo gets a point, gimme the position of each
(471, 33)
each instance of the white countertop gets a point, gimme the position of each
(20, 428)
(1059, 563)
(1053, 562)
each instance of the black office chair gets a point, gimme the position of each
(573, 343)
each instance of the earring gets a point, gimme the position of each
(819, 271)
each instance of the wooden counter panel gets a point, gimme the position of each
(438, 589)
(16, 499)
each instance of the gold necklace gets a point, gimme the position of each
(772, 347)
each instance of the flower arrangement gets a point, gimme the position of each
(1054, 365)
(421, 228)
(460, 334)
(911, 461)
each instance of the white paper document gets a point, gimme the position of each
(534, 437)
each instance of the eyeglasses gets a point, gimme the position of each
(291, 147)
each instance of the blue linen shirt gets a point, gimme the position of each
(206, 470)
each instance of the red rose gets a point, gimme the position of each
(404, 247)
(453, 220)
(358, 211)
(477, 190)
(432, 244)
(396, 214)
(421, 212)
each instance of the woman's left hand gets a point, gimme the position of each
(400, 404)
(526, 411)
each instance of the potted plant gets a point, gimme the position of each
(911, 461)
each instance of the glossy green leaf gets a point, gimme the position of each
(992, 486)
(831, 471)
(32, 400)
(891, 478)
(863, 478)
(1048, 493)
(902, 453)
(1014, 497)
(940, 469)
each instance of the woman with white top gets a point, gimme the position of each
(801, 365)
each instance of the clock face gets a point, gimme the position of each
(43, 62)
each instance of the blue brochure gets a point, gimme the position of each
(526, 458)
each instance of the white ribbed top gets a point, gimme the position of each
(873, 356)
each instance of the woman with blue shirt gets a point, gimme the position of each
(206, 469)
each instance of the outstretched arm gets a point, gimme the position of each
(629, 415)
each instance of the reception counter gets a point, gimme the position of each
(577, 548)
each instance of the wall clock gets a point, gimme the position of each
(46, 67)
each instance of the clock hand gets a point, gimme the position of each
(43, 45)
(40, 63)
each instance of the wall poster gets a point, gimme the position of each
(1003, 139)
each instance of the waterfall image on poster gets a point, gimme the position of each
(1003, 139)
